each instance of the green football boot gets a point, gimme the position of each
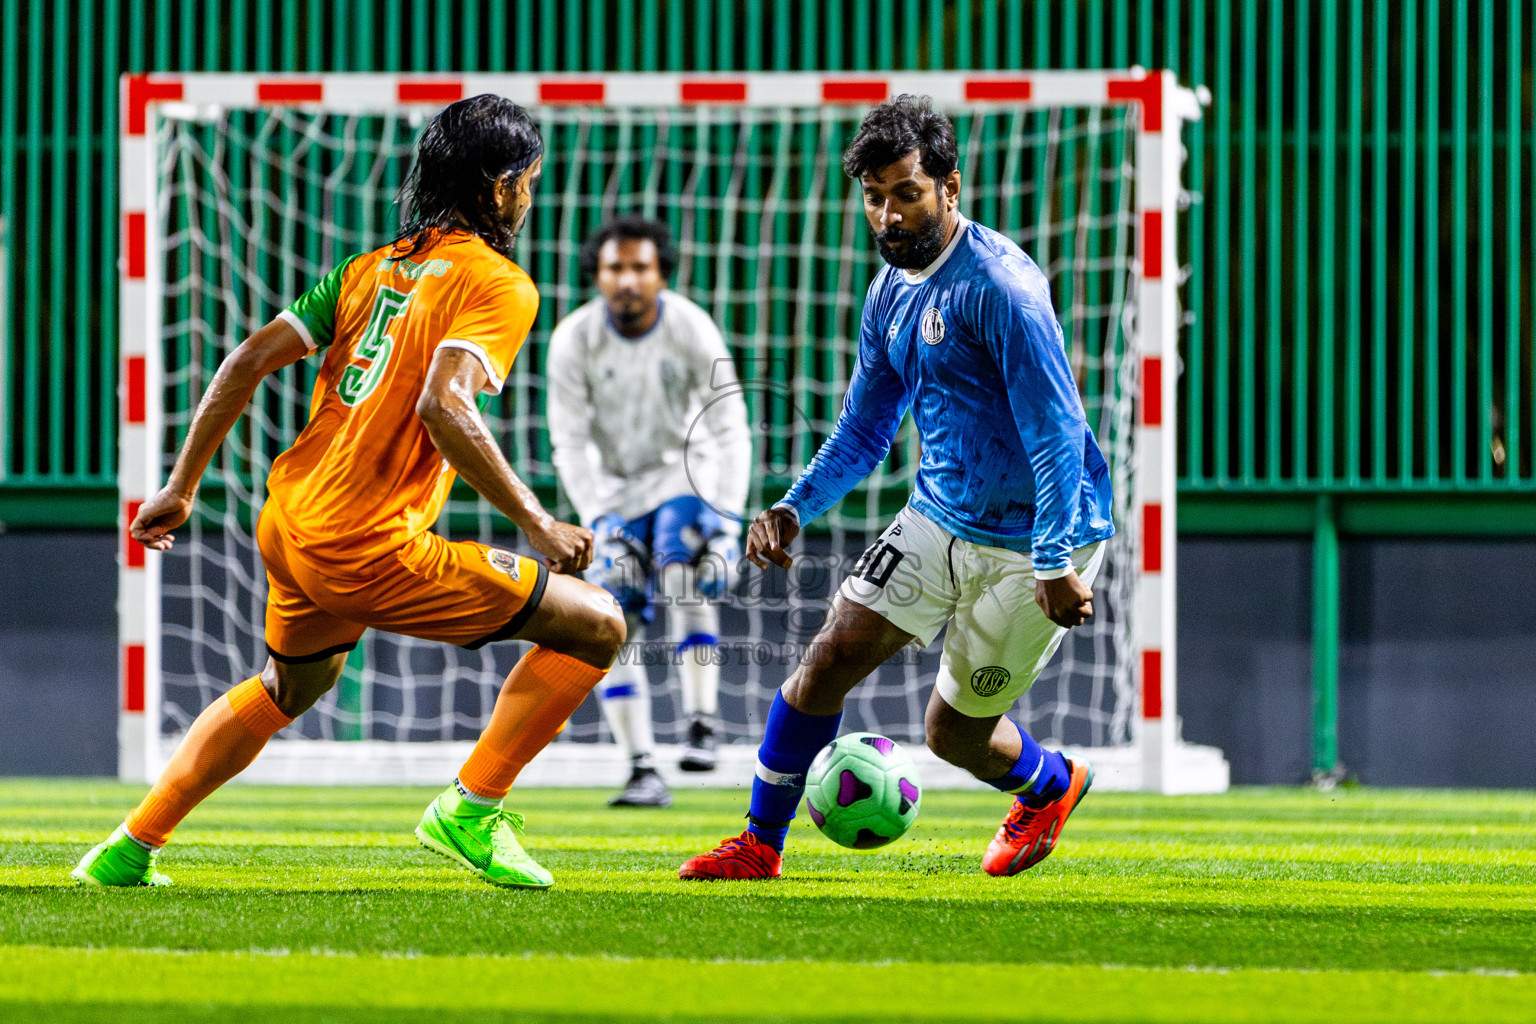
(118, 861)
(481, 839)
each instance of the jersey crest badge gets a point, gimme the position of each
(989, 680)
(933, 325)
(506, 561)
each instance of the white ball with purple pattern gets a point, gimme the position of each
(862, 791)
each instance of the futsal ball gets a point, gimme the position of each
(862, 791)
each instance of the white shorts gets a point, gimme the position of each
(919, 576)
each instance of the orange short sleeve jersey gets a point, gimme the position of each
(363, 478)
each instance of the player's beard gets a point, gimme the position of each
(503, 235)
(628, 312)
(925, 244)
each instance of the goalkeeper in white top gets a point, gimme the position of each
(650, 439)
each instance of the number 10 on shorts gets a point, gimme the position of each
(878, 563)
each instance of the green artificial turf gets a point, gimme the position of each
(316, 904)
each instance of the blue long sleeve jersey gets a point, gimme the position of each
(973, 346)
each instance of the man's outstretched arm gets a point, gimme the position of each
(268, 350)
(448, 409)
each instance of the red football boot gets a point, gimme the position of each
(738, 857)
(1028, 834)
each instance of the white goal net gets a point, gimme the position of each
(255, 204)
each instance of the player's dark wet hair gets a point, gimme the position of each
(897, 127)
(468, 147)
(633, 226)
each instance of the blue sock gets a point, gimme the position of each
(791, 741)
(1038, 776)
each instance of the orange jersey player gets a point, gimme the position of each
(411, 335)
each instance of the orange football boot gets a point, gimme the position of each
(1028, 834)
(740, 856)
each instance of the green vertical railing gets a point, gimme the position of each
(1362, 296)
(1325, 642)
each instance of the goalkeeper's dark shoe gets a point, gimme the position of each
(740, 857)
(699, 754)
(644, 789)
(1028, 834)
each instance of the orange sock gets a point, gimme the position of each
(223, 740)
(538, 696)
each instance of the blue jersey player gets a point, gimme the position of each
(1002, 536)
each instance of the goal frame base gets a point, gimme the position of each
(1194, 769)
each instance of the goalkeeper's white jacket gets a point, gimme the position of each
(636, 422)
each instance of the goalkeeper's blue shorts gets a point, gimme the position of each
(676, 531)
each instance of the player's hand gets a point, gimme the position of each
(1066, 601)
(771, 532)
(158, 516)
(567, 548)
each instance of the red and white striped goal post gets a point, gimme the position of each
(1164, 107)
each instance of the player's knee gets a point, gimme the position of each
(609, 631)
(603, 631)
(296, 688)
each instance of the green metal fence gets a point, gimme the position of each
(1363, 284)
(1361, 298)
